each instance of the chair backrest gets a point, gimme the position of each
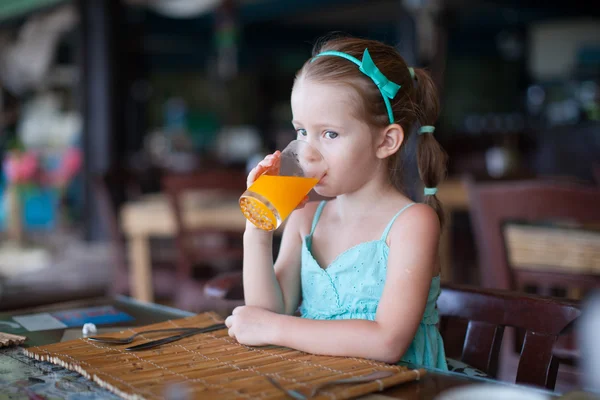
(228, 184)
(493, 204)
(489, 311)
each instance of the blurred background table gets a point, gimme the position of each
(152, 216)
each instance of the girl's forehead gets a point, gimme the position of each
(311, 99)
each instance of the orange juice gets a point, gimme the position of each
(270, 199)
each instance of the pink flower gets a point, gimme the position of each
(20, 167)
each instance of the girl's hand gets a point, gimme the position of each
(252, 326)
(269, 166)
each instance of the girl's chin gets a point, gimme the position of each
(323, 191)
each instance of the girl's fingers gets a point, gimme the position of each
(270, 164)
(254, 174)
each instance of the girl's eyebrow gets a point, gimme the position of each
(319, 125)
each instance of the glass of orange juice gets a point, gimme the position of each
(276, 193)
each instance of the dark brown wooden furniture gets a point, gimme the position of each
(227, 286)
(488, 312)
(495, 204)
(228, 245)
(556, 202)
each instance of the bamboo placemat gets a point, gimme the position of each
(7, 339)
(213, 366)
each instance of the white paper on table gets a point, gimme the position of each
(39, 322)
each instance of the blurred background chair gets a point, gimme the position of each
(496, 207)
(112, 190)
(487, 312)
(538, 237)
(206, 253)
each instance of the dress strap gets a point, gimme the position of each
(317, 216)
(389, 226)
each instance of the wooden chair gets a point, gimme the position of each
(228, 183)
(228, 286)
(494, 204)
(111, 190)
(488, 312)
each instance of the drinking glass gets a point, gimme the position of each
(276, 193)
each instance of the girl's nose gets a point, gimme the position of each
(312, 162)
(310, 154)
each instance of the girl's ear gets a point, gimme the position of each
(390, 140)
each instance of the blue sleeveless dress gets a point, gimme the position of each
(351, 286)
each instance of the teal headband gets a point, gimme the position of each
(387, 88)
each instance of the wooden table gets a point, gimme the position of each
(143, 314)
(24, 378)
(152, 217)
(427, 388)
(57, 268)
(436, 382)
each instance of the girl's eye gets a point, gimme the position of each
(331, 135)
(301, 132)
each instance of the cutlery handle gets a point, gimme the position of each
(170, 339)
(102, 339)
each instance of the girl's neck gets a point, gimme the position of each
(375, 193)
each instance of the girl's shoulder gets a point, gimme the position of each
(416, 217)
(302, 218)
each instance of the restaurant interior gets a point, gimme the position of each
(128, 129)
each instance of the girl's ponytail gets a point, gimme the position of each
(431, 157)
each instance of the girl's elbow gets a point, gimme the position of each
(391, 356)
(392, 351)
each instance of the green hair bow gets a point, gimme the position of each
(387, 88)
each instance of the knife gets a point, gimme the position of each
(155, 343)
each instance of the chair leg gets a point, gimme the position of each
(227, 286)
(552, 374)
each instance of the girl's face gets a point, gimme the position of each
(324, 115)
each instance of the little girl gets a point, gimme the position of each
(363, 268)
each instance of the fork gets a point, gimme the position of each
(129, 339)
(170, 339)
(356, 379)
